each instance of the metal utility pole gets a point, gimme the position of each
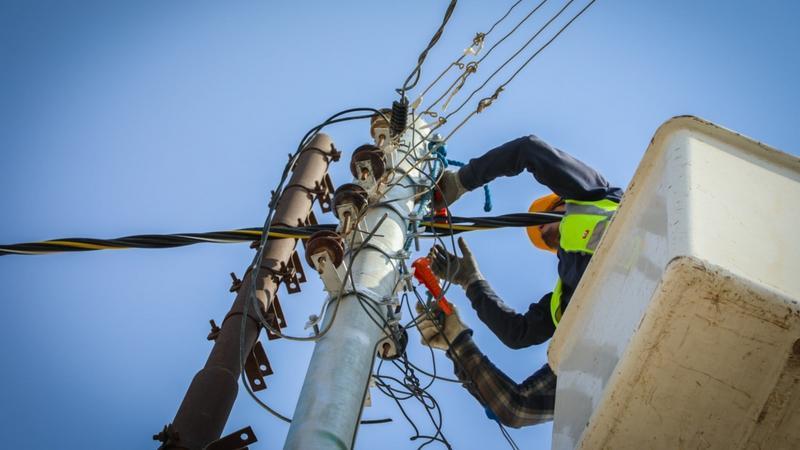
(330, 403)
(210, 397)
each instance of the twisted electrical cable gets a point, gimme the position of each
(457, 224)
(415, 74)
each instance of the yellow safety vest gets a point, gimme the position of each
(581, 229)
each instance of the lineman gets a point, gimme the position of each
(588, 202)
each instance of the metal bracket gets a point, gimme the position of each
(296, 265)
(292, 273)
(324, 193)
(332, 276)
(238, 440)
(285, 273)
(257, 367)
(275, 318)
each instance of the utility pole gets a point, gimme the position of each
(210, 397)
(331, 401)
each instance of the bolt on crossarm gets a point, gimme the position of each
(205, 409)
(331, 401)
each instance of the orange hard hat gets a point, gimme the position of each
(542, 204)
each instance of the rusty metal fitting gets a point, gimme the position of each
(212, 335)
(380, 122)
(334, 153)
(327, 242)
(236, 283)
(168, 436)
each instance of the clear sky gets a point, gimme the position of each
(121, 118)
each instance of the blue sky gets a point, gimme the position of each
(157, 117)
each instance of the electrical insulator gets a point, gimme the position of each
(325, 253)
(324, 244)
(399, 116)
(368, 164)
(379, 127)
(349, 201)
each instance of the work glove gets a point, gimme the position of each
(442, 333)
(447, 266)
(449, 189)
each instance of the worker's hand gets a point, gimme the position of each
(439, 335)
(449, 189)
(447, 266)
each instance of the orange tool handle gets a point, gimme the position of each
(441, 212)
(424, 274)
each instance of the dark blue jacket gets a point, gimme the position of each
(568, 178)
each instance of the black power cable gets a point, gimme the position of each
(154, 241)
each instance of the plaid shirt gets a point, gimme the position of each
(514, 405)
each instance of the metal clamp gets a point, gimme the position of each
(275, 318)
(394, 344)
(256, 367)
(238, 440)
(324, 193)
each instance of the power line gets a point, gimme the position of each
(472, 67)
(477, 41)
(511, 58)
(486, 102)
(415, 74)
(159, 241)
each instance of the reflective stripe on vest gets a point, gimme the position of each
(584, 224)
(581, 229)
(555, 303)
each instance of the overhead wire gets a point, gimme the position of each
(473, 66)
(413, 77)
(253, 234)
(476, 41)
(508, 60)
(487, 101)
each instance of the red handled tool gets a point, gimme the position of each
(424, 274)
(441, 212)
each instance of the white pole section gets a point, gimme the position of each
(330, 403)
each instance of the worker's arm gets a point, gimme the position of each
(563, 174)
(515, 405)
(514, 329)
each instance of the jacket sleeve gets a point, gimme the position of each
(513, 329)
(563, 174)
(515, 405)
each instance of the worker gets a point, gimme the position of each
(587, 202)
